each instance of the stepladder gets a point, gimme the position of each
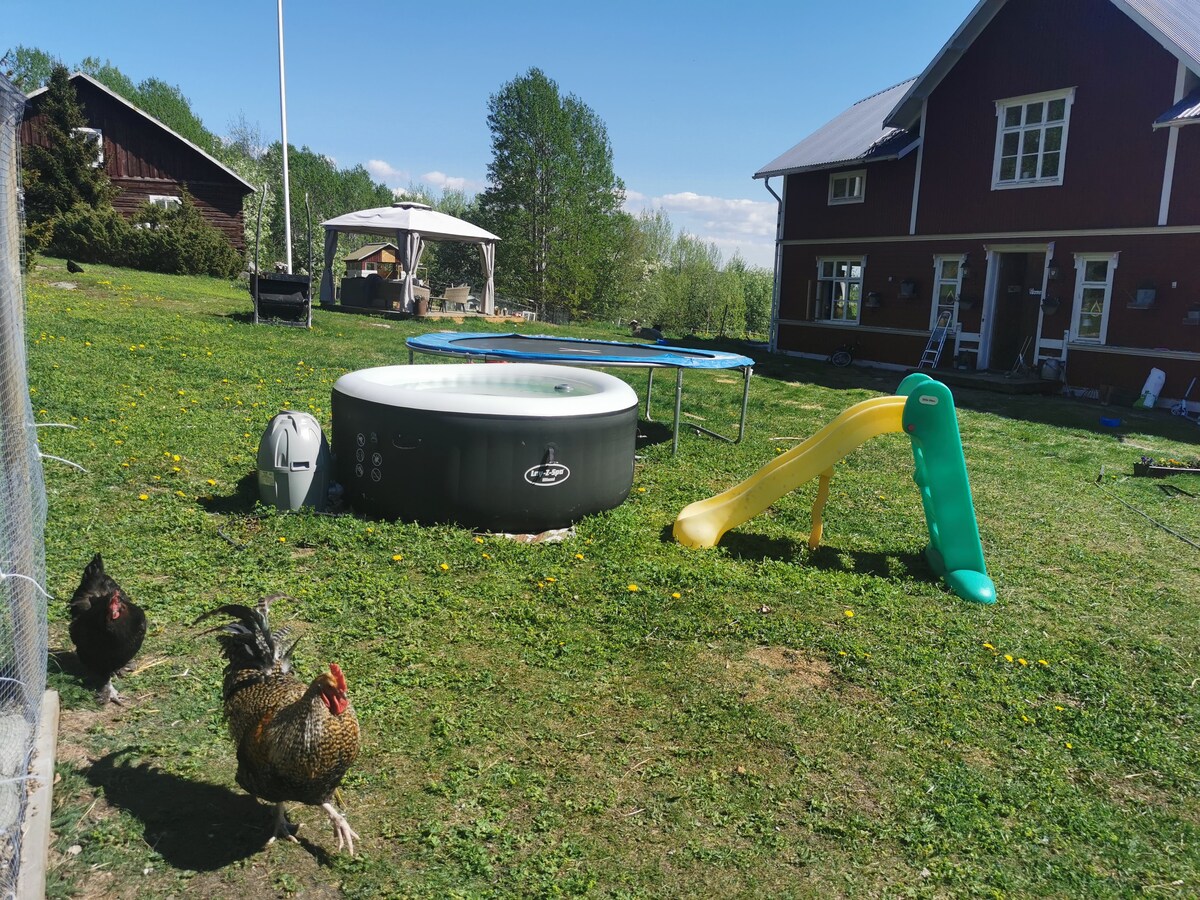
(937, 341)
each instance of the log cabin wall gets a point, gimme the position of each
(143, 158)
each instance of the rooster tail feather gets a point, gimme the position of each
(246, 643)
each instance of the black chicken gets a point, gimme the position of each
(74, 267)
(107, 628)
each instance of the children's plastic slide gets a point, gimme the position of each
(924, 410)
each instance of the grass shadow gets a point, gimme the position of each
(240, 502)
(193, 825)
(651, 433)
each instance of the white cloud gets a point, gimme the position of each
(386, 173)
(732, 225)
(452, 182)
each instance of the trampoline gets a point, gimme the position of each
(545, 348)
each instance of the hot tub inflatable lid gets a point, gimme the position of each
(516, 389)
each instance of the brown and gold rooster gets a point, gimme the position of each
(295, 742)
(107, 628)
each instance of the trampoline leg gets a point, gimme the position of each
(678, 404)
(649, 388)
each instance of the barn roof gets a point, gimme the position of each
(368, 249)
(149, 118)
(856, 135)
(1175, 24)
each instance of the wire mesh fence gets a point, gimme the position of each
(22, 518)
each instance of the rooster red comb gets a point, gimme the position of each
(336, 671)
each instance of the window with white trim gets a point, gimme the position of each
(96, 137)
(947, 286)
(1093, 296)
(166, 201)
(847, 187)
(1031, 139)
(839, 289)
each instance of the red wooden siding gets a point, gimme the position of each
(1113, 169)
(884, 210)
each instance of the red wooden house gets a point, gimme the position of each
(1036, 187)
(148, 162)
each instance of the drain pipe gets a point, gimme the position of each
(773, 338)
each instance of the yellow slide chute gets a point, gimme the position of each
(702, 524)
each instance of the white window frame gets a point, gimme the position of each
(939, 282)
(826, 303)
(1002, 107)
(166, 201)
(858, 177)
(1081, 261)
(97, 137)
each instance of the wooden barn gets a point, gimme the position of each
(383, 259)
(1035, 190)
(148, 162)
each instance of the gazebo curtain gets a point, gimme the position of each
(487, 251)
(327, 273)
(413, 245)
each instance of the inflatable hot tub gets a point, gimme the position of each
(521, 448)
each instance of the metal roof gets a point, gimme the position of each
(1175, 24)
(856, 135)
(367, 249)
(1185, 112)
(179, 137)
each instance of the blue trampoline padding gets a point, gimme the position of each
(548, 348)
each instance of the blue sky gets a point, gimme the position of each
(696, 97)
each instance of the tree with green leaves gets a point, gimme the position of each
(553, 197)
(65, 170)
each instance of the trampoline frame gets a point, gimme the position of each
(449, 344)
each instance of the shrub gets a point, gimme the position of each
(176, 241)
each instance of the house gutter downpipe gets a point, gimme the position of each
(773, 337)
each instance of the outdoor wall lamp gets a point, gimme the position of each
(908, 289)
(1052, 270)
(965, 268)
(873, 298)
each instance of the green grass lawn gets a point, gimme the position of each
(616, 715)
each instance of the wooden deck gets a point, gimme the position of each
(997, 382)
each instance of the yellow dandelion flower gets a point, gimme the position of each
(479, 540)
(848, 613)
(579, 556)
(1070, 746)
(551, 579)
(143, 496)
(989, 646)
(1042, 662)
(1022, 662)
(1060, 708)
(1008, 656)
(487, 556)
(641, 490)
(633, 588)
(212, 481)
(180, 494)
(175, 458)
(444, 567)
(841, 653)
(676, 595)
(396, 557)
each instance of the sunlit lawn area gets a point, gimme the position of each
(617, 715)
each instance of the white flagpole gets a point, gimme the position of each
(287, 195)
